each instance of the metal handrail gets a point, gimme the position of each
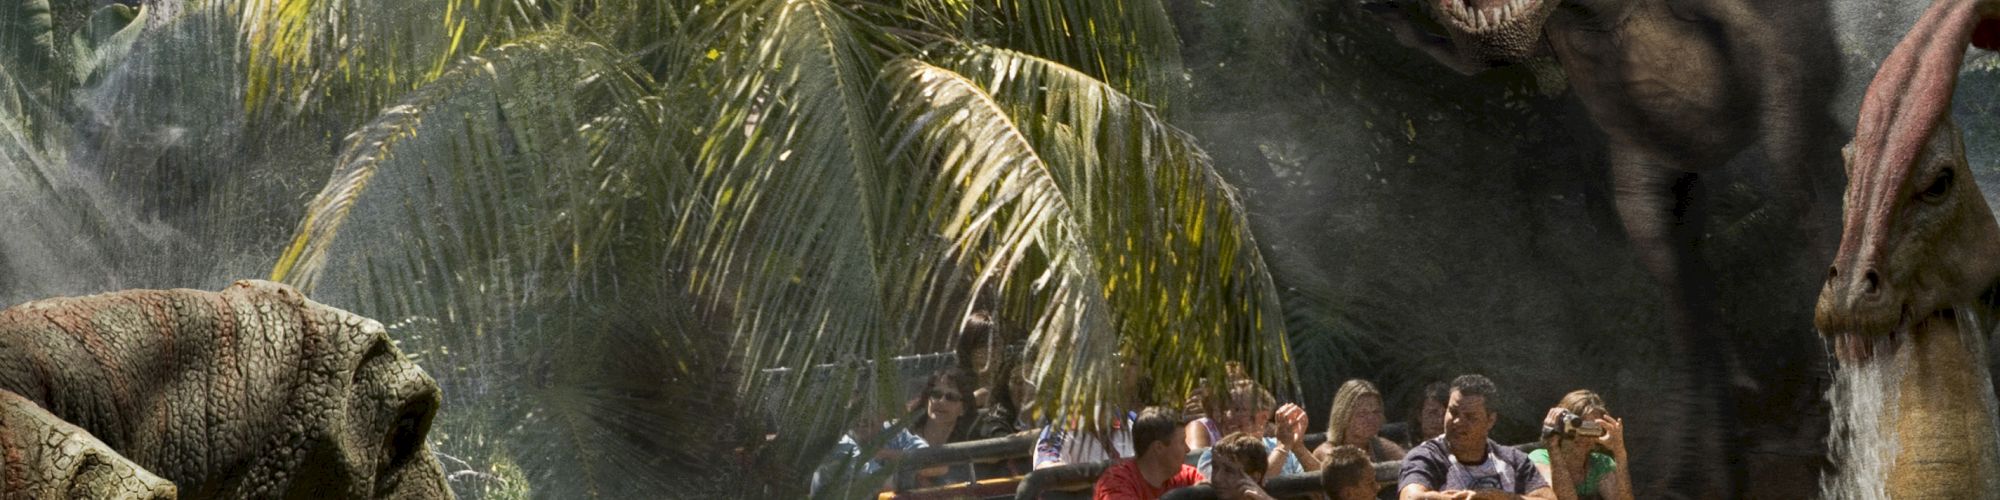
(1077, 476)
(1016, 445)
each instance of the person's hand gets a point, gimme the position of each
(1193, 404)
(1291, 424)
(1554, 418)
(1563, 448)
(1614, 436)
(1552, 421)
(1491, 495)
(1457, 494)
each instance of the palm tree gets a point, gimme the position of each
(589, 219)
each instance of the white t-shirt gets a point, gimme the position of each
(1081, 447)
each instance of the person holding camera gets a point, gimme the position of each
(1585, 450)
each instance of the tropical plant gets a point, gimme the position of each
(632, 239)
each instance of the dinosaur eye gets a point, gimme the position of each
(1938, 188)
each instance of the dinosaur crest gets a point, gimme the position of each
(1911, 93)
(1918, 238)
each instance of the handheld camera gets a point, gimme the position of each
(1573, 425)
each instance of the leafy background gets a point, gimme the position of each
(593, 221)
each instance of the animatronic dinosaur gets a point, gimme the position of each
(252, 392)
(49, 458)
(1677, 87)
(1917, 277)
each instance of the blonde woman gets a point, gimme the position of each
(1354, 421)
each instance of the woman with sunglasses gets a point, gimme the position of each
(942, 417)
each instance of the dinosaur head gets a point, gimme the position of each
(1492, 32)
(1919, 243)
(373, 443)
(1467, 35)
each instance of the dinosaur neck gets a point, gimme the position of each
(1945, 432)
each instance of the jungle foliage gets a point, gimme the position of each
(598, 223)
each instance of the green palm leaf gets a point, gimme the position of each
(520, 73)
(817, 197)
(793, 215)
(490, 217)
(1130, 45)
(1145, 248)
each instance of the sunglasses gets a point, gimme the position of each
(947, 396)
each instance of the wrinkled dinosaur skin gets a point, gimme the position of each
(45, 457)
(1678, 88)
(252, 392)
(1920, 255)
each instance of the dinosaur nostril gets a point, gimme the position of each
(1872, 282)
(1832, 272)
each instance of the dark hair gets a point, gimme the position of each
(957, 378)
(1475, 385)
(1246, 451)
(1345, 466)
(979, 332)
(1155, 424)
(1439, 391)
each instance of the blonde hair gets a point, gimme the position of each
(1343, 408)
(1582, 402)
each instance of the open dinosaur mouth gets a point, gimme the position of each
(1858, 347)
(1480, 16)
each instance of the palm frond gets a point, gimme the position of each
(836, 208)
(501, 218)
(792, 216)
(522, 70)
(1135, 244)
(1131, 45)
(363, 52)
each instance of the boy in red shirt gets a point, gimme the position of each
(1161, 463)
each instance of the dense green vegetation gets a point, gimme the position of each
(597, 221)
(700, 190)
